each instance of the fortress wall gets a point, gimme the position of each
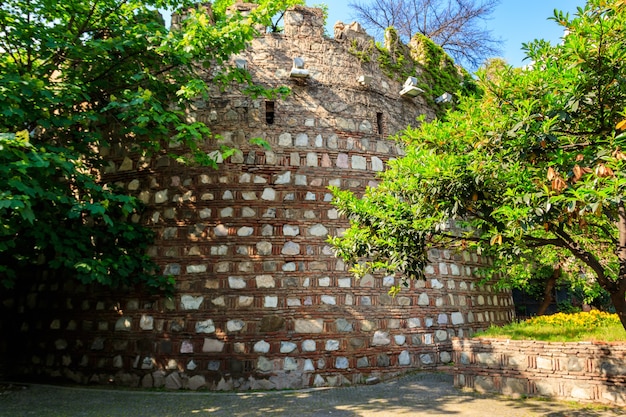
(261, 300)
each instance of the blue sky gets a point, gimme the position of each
(514, 22)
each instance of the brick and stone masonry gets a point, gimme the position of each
(261, 300)
(583, 371)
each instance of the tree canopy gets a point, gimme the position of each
(458, 26)
(77, 78)
(531, 173)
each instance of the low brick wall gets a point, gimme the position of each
(584, 371)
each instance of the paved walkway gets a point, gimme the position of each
(420, 394)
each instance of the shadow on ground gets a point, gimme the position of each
(422, 394)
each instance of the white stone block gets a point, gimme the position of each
(404, 359)
(309, 326)
(234, 325)
(445, 357)
(302, 140)
(248, 212)
(290, 364)
(204, 213)
(441, 335)
(318, 230)
(212, 345)
(146, 322)
(291, 230)
(436, 284)
(311, 159)
(301, 180)
(206, 326)
(245, 301)
(309, 346)
(270, 301)
(331, 345)
(381, 338)
(219, 301)
(261, 347)
(344, 282)
(377, 164)
(236, 282)
(245, 231)
(457, 318)
(284, 178)
(414, 322)
(196, 269)
(265, 281)
(287, 347)
(291, 248)
(269, 194)
(423, 299)
(189, 302)
(342, 362)
(285, 140)
(160, 197)
(227, 212)
(186, 347)
(289, 267)
(329, 299)
(264, 248)
(359, 162)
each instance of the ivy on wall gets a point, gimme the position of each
(422, 58)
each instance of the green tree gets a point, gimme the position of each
(531, 174)
(77, 77)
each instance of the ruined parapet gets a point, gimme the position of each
(303, 21)
(352, 31)
(262, 301)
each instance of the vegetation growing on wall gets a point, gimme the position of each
(439, 70)
(422, 58)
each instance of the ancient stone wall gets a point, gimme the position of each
(584, 371)
(262, 302)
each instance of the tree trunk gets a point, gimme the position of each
(547, 292)
(618, 291)
(619, 302)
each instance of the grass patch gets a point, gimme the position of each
(594, 326)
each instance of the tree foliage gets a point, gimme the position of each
(455, 25)
(78, 77)
(533, 173)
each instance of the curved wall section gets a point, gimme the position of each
(262, 302)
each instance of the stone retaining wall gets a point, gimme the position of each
(584, 371)
(261, 300)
